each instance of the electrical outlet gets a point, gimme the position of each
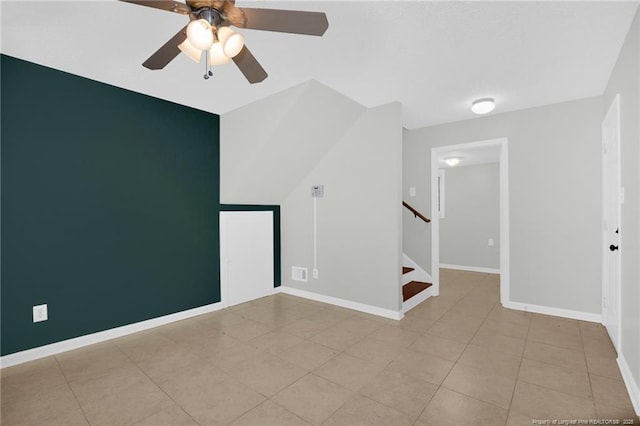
(40, 313)
(491, 242)
(315, 274)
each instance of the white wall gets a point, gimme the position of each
(625, 80)
(272, 152)
(359, 237)
(472, 216)
(416, 173)
(268, 146)
(555, 198)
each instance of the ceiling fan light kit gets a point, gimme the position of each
(217, 56)
(232, 42)
(200, 34)
(190, 50)
(209, 32)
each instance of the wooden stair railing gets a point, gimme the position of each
(416, 213)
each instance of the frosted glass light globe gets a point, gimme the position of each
(483, 106)
(199, 34)
(232, 42)
(216, 55)
(188, 49)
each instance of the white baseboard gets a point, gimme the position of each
(101, 336)
(416, 300)
(470, 268)
(558, 312)
(632, 385)
(374, 310)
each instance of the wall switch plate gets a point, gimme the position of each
(317, 191)
(412, 191)
(491, 242)
(40, 313)
(315, 274)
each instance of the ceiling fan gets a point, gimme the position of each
(208, 32)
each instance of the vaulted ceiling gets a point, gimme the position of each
(432, 57)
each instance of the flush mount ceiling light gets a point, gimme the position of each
(452, 161)
(208, 33)
(483, 106)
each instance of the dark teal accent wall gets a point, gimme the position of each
(110, 206)
(277, 251)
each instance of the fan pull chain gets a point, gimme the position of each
(207, 67)
(207, 71)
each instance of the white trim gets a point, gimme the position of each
(315, 237)
(607, 285)
(632, 386)
(416, 300)
(441, 194)
(557, 312)
(435, 225)
(504, 221)
(440, 151)
(374, 310)
(101, 336)
(418, 274)
(470, 268)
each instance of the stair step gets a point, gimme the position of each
(412, 288)
(406, 270)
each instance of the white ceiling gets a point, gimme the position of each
(432, 57)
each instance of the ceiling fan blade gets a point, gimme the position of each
(167, 52)
(168, 5)
(286, 21)
(249, 66)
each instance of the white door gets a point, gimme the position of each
(611, 222)
(246, 255)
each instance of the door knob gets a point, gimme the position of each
(613, 248)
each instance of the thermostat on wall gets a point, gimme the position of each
(317, 191)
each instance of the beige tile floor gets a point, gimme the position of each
(458, 359)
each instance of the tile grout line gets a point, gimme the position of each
(456, 361)
(72, 391)
(286, 387)
(155, 384)
(526, 340)
(586, 363)
(338, 352)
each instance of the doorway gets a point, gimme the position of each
(497, 147)
(611, 199)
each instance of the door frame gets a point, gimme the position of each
(443, 151)
(614, 108)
